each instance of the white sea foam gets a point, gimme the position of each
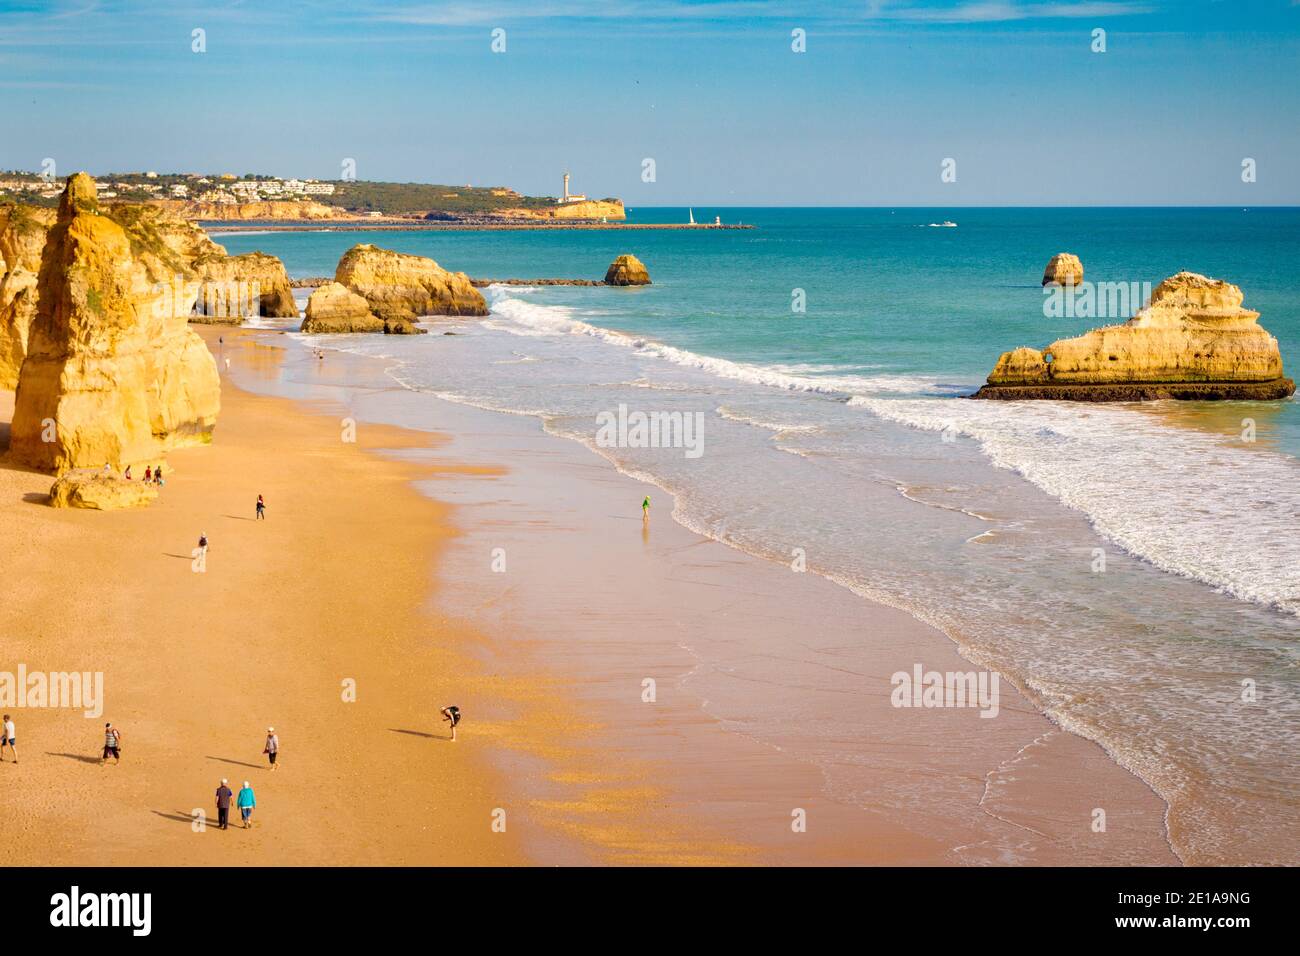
(530, 319)
(1192, 503)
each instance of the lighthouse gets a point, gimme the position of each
(567, 197)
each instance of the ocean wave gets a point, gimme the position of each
(779, 427)
(1191, 503)
(530, 319)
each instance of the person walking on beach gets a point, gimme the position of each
(148, 475)
(203, 544)
(223, 804)
(261, 509)
(645, 509)
(127, 473)
(452, 716)
(272, 746)
(246, 802)
(157, 475)
(112, 744)
(7, 738)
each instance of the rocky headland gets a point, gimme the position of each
(175, 252)
(1193, 340)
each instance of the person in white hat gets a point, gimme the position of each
(272, 746)
(246, 801)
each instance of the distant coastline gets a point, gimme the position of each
(363, 225)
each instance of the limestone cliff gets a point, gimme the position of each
(265, 211)
(399, 286)
(22, 237)
(589, 209)
(627, 270)
(1192, 340)
(333, 308)
(1063, 269)
(234, 287)
(113, 372)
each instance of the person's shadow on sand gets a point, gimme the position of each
(82, 757)
(241, 763)
(419, 733)
(179, 816)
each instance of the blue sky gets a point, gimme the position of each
(711, 91)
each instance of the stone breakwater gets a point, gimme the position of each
(1193, 340)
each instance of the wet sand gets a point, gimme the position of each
(737, 646)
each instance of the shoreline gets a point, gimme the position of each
(1012, 779)
(548, 664)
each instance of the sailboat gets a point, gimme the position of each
(691, 213)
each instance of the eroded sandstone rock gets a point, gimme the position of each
(627, 270)
(335, 308)
(1193, 340)
(113, 372)
(400, 286)
(235, 287)
(22, 237)
(1063, 269)
(90, 489)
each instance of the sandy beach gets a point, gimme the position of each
(357, 575)
(197, 666)
(549, 659)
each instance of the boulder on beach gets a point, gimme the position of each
(1193, 340)
(113, 372)
(1063, 269)
(333, 308)
(99, 491)
(627, 269)
(400, 286)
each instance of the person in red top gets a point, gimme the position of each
(224, 794)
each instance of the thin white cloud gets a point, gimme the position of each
(1002, 11)
(642, 11)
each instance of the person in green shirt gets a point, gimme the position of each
(645, 509)
(246, 802)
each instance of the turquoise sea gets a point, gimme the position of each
(1134, 569)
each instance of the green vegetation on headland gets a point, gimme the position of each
(362, 197)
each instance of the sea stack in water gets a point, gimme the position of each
(401, 287)
(627, 270)
(1192, 341)
(113, 374)
(1063, 269)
